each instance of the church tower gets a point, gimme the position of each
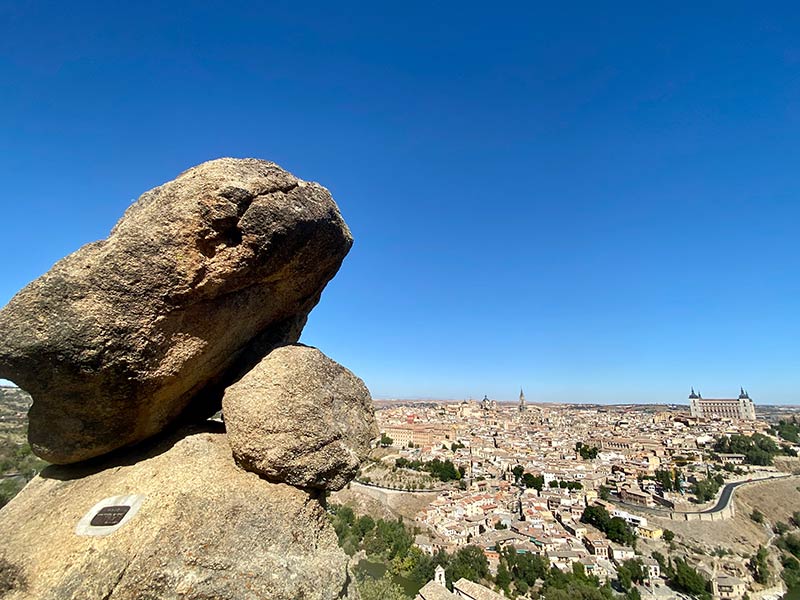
(438, 575)
(521, 400)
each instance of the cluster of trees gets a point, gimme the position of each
(758, 449)
(528, 480)
(517, 573)
(759, 565)
(587, 452)
(790, 545)
(631, 571)
(441, 470)
(519, 570)
(566, 485)
(383, 538)
(682, 577)
(789, 430)
(615, 529)
(731, 469)
(537, 481)
(576, 585)
(391, 542)
(533, 481)
(669, 481)
(706, 489)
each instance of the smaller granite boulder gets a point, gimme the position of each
(300, 418)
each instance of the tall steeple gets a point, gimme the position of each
(521, 400)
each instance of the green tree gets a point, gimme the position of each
(529, 567)
(633, 594)
(421, 566)
(386, 440)
(757, 516)
(380, 589)
(345, 514)
(759, 566)
(363, 525)
(636, 568)
(705, 490)
(789, 431)
(781, 528)
(687, 579)
(518, 471)
(533, 481)
(791, 572)
(669, 535)
(503, 577)
(468, 562)
(624, 577)
(790, 543)
(664, 478)
(604, 492)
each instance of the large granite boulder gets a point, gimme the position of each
(300, 418)
(204, 529)
(200, 278)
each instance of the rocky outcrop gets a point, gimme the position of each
(196, 283)
(205, 529)
(199, 288)
(300, 418)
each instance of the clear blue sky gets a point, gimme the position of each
(598, 203)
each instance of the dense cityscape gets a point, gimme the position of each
(627, 497)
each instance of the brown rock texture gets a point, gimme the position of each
(300, 418)
(200, 278)
(206, 529)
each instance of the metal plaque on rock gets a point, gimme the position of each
(109, 514)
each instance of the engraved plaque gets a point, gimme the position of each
(109, 516)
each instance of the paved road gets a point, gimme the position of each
(722, 502)
(724, 497)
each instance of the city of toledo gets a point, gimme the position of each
(399, 301)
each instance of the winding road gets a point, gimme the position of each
(724, 499)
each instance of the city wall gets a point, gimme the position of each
(724, 513)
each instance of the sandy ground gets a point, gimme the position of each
(405, 505)
(775, 499)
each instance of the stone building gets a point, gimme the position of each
(741, 408)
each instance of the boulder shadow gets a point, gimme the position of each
(130, 455)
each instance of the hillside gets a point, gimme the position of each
(18, 465)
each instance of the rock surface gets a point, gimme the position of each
(206, 530)
(300, 418)
(200, 278)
